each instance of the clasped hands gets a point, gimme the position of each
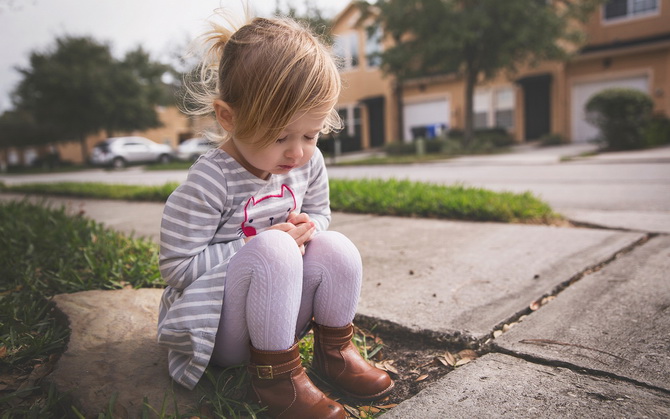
(298, 226)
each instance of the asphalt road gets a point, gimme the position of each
(636, 181)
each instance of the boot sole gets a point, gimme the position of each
(371, 397)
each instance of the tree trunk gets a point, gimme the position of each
(399, 109)
(470, 82)
(84, 148)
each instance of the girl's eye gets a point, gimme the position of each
(307, 137)
(281, 140)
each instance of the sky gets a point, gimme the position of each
(162, 27)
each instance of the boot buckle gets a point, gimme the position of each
(264, 372)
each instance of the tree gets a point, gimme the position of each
(476, 39)
(78, 88)
(313, 17)
(136, 87)
(66, 87)
(19, 129)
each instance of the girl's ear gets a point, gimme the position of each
(224, 115)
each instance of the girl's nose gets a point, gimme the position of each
(295, 151)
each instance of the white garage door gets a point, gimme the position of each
(424, 114)
(582, 131)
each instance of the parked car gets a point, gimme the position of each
(191, 149)
(119, 152)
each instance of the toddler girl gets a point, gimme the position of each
(245, 251)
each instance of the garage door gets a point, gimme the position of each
(582, 131)
(425, 114)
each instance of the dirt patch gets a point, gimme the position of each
(414, 361)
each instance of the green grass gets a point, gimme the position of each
(402, 159)
(382, 197)
(97, 190)
(416, 199)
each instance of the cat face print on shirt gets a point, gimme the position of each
(262, 213)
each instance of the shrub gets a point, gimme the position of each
(548, 140)
(399, 148)
(657, 131)
(497, 137)
(621, 115)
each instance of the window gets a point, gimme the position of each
(622, 9)
(346, 48)
(373, 46)
(482, 106)
(351, 116)
(494, 108)
(504, 108)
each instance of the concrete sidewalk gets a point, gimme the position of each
(600, 348)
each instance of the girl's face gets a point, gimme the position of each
(294, 147)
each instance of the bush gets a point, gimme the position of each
(400, 148)
(622, 116)
(549, 140)
(497, 137)
(657, 131)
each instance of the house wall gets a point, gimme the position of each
(364, 82)
(618, 61)
(175, 124)
(652, 63)
(602, 31)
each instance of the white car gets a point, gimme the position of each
(191, 149)
(118, 152)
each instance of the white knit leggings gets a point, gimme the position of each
(272, 292)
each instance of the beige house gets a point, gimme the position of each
(628, 46)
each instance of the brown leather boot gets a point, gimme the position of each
(279, 382)
(338, 360)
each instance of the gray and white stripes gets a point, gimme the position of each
(201, 231)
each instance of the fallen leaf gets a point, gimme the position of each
(352, 411)
(442, 360)
(369, 409)
(468, 353)
(421, 377)
(387, 365)
(450, 358)
(3, 351)
(388, 406)
(16, 289)
(462, 362)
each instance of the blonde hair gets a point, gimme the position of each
(267, 71)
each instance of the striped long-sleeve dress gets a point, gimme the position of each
(204, 223)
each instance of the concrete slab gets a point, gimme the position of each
(649, 221)
(458, 278)
(498, 385)
(616, 320)
(141, 219)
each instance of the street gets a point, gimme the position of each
(629, 190)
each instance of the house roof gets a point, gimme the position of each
(646, 41)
